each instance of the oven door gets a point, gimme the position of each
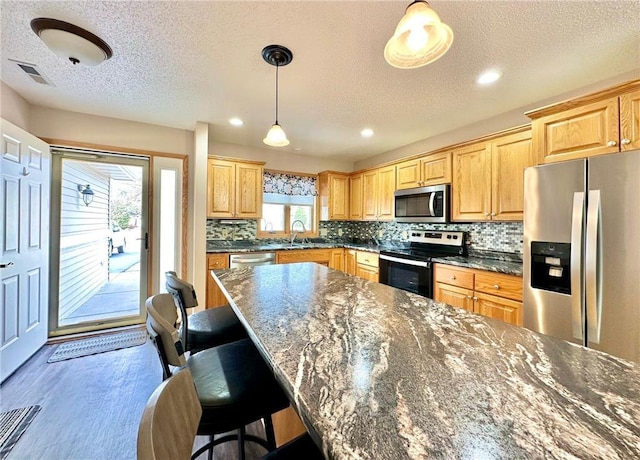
(411, 275)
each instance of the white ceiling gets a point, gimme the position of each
(178, 62)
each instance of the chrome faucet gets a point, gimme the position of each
(294, 233)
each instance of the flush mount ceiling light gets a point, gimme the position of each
(236, 121)
(278, 56)
(366, 132)
(71, 42)
(420, 38)
(488, 77)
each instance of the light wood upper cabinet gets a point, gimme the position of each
(234, 189)
(510, 155)
(630, 121)
(595, 124)
(488, 178)
(471, 187)
(334, 195)
(355, 197)
(378, 186)
(432, 169)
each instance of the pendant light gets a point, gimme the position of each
(420, 38)
(278, 56)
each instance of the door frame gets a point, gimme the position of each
(112, 150)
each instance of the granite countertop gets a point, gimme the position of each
(380, 373)
(482, 261)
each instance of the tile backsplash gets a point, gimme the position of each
(490, 236)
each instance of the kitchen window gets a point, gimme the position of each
(288, 199)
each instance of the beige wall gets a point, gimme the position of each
(505, 121)
(278, 159)
(14, 108)
(81, 127)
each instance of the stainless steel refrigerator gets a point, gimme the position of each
(582, 252)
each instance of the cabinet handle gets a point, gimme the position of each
(475, 299)
(486, 214)
(612, 144)
(625, 141)
(495, 286)
(493, 214)
(469, 297)
(452, 277)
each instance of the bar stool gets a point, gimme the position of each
(170, 420)
(234, 385)
(207, 328)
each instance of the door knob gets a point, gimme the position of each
(8, 264)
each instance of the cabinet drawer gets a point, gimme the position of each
(499, 284)
(303, 255)
(367, 258)
(217, 261)
(453, 276)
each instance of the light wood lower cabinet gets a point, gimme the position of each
(495, 295)
(367, 265)
(337, 259)
(215, 297)
(319, 256)
(350, 261)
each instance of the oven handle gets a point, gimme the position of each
(417, 263)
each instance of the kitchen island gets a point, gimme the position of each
(380, 373)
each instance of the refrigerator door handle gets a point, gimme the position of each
(577, 219)
(592, 271)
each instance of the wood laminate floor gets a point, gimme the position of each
(91, 406)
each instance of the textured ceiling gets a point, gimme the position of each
(178, 62)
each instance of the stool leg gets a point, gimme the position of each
(241, 432)
(268, 429)
(211, 450)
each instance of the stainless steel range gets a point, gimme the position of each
(410, 268)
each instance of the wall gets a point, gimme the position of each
(14, 108)
(501, 122)
(280, 160)
(83, 236)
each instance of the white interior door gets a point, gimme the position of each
(24, 246)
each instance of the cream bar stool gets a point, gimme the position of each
(170, 422)
(234, 385)
(204, 329)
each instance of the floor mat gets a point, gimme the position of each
(86, 347)
(12, 424)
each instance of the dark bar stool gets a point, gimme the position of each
(207, 328)
(234, 385)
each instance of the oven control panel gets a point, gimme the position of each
(437, 237)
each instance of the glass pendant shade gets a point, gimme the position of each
(276, 137)
(419, 39)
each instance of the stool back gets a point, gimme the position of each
(184, 296)
(170, 420)
(161, 317)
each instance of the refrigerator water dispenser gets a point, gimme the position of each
(551, 266)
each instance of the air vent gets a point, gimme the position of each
(33, 72)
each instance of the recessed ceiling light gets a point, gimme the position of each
(366, 132)
(297, 149)
(488, 77)
(236, 122)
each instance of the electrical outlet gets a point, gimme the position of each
(339, 232)
(405, 235)
(323, 232)
(380, 233)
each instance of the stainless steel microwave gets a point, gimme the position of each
(423, 204)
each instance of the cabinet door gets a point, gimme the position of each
(220, 188)
(386, 187)
(366, 272)
(248, 191)
(369, 195)
(339, 197)
(630, 121)
(471, 183)
(408, 174)
(591, 129)
(337, 259)
(350, 261)
(436, 169)
(510, 155)
(215, 297)
(509, 311)
(454, 296)
(355, 197)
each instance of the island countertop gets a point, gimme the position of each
(380, 373)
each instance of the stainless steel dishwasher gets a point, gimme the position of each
(252, 259)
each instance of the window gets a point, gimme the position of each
(288, 199)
